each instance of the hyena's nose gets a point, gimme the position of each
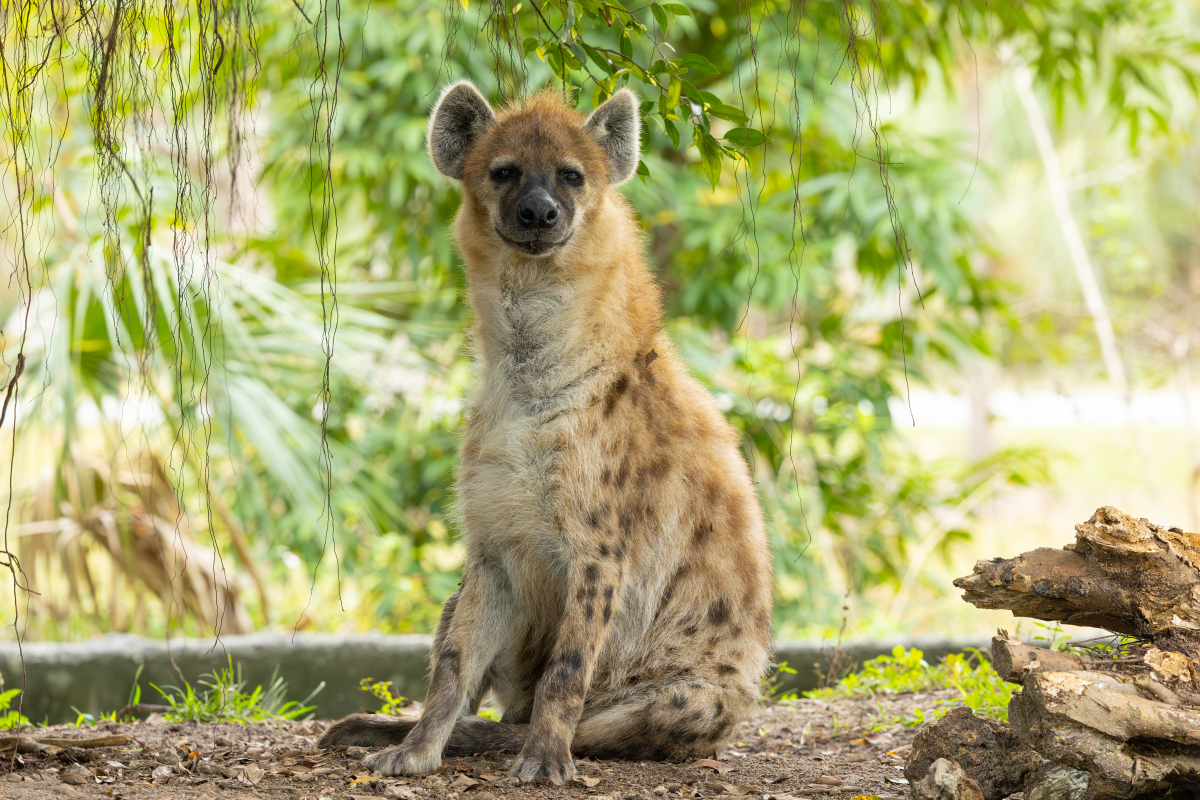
(538, 210)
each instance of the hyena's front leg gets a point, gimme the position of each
(471, 632)
(594, 593)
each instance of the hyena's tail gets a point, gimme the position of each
(471, 734)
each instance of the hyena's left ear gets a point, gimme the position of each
(461, 114)
(616, 126)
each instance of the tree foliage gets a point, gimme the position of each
(229, 256)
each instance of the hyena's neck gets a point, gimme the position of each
(545, 327)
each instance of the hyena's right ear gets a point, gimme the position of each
(461, 114)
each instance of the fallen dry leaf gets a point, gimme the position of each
(708, 763)
(734, 789)
(488, 777)
(400, 793)
(163, 772)
(587, 780)
(463, 782)
(251, 775)
(829, 780)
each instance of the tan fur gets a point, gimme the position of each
(617, 591)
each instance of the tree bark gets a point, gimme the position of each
(1123, 574)
(1014, 661)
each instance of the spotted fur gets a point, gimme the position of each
(616, 598)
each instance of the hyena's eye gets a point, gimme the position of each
(501, 174)
(572, 177)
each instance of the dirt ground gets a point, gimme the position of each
(804, 748)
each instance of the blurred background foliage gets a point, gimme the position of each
(196, 221)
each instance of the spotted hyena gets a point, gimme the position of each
(616, 598)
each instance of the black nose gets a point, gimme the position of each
(538, 210)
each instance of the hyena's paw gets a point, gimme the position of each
(400, 761)
(544, 760)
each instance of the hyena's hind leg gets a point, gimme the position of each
(671, 722)
(471, 735)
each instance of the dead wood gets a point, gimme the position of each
(1101, 723)
(19, 742)
(1123, 574)
(1014, 660)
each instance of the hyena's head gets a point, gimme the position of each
(535, 169)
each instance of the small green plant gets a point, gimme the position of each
(382, 690)
(979, 686)
(771, 682)
(9, 717)
(224, 698)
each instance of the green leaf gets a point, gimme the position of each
(643, 171)
(598, 58)
(626, 45)
(731, 113)
(530, 44)
(697, 62)
(710, 154)
(661, 16)
(673, 92)
(677, 9)
(672, 132)
(745, 137)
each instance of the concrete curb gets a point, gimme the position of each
(96, 676)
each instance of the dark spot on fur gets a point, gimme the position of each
(718, 612)
(690, 630)
(725, 669)
(593, 521)
(619, 554)
(701, 532)
(614, 393)
(587, 611)
(607, 611)
(650, 357)
(604, 551)
(448, 661)
(608, 593)
(591, 573)
(607, 477)
(634, 679)
(678, 701)
(573, 659)
(581, 594)
(720, 709)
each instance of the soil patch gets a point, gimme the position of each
(805, 748)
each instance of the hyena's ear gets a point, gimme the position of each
(461, 114)
(616, 126)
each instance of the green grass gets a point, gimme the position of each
(979, 687)
(9, 717)
(223, 697)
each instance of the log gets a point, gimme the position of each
(1123, 574)
(1014, 660)
(9, 742)
(1102, 724)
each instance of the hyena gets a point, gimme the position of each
(616, 595)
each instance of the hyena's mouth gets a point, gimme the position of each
(535, 247)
